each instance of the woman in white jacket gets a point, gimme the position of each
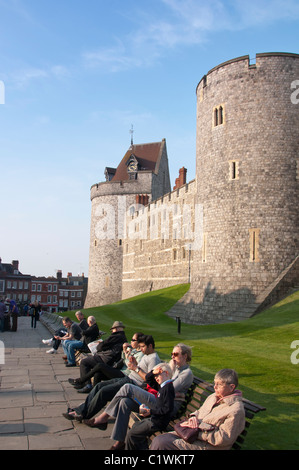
(219, 420)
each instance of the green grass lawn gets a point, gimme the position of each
(258, 348)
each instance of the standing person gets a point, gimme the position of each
(14, 312)
(2, 315)
(35, 312)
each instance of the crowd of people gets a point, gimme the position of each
(9, 313)
(119, 377)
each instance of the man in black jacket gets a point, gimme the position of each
(108, 352)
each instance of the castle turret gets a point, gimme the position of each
(247, 183)
(142, 175)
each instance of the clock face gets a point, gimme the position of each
(132, 166)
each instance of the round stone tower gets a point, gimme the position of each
(247, 179)
(141, 176)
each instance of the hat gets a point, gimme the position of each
(117, 324)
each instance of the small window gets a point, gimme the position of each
(204, 248)
(234, 170)
(297, 172)
(254, 235)
(218, 115)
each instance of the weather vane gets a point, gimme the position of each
(132, 132)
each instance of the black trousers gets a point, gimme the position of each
(137, 436)
(100, 372)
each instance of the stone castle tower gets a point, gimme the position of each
(245, 190)
(142, 176)
(247, 182)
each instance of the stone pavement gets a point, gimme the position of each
(34, 392)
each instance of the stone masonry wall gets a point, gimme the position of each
(159, 249)
(246, 182)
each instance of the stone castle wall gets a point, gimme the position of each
(243, 203)
(247, 182)
(159, 248)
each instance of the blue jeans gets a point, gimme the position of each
(69, 347)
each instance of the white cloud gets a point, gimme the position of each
(189, 22)
(23, 77)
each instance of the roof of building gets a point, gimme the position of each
(147, 155)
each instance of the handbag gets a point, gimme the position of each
(188, 434)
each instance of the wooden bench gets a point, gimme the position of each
(52, 321)
(195, 397)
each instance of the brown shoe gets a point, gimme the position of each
(64, 357)
(91, 423)
(118, 446)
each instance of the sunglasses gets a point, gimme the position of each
(133, 339)
(175, 354)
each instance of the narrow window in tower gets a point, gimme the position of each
(218, 115)
(107, 281)
(96, 243)
(233, 169)
(297, 173)
(254, 235)
(204, 248)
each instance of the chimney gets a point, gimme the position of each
(59, 274)
(181, 180)
(15, 265)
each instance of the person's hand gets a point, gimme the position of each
(191, 423)
(144, 410)
(132, 364)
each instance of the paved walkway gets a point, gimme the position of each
(34, 392)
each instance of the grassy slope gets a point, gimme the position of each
(258, 348)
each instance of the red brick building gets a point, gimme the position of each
(55, 294)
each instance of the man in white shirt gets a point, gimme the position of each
(105, 391)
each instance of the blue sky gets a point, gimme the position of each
(77, 74)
